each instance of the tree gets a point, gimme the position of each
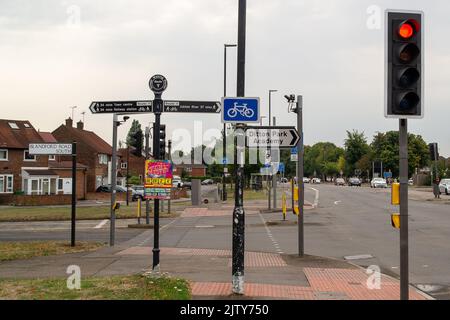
(321, 159)
(135, 138)
(355, 148)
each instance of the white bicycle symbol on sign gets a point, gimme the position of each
(243, 110)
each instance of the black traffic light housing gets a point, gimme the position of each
(434, 152)
(404, 65)
(162, 141)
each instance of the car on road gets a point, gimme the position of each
(354, 182)
(306, 180)
(138, 192)
(339, 182)
(378, 183)
(187, 185)
(411, 182)
(316, 181)
(284, 180)
(177, 182)
(444, 186)
(107, 188)
(207, 182)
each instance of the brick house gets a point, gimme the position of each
(92, 151)
(191, 170)
(128, 160)
(30, 175)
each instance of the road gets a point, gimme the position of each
(346, 222)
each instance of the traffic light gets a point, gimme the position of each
(162, 141)
(404, 65)
(434, 152)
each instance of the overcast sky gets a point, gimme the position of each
(58, 54)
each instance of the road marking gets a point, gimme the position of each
(316, 199)
(101, 224)
(359, 257)
(204, 227)
(269, 233)
(160, 232)
(337, 202)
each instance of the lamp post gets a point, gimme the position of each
(224, 191)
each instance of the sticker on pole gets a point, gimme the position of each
(158, 179)
(240, 110)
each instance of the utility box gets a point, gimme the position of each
(196, 192)
(395, 194)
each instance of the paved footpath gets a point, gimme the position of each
(196, 246)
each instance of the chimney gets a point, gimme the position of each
(80, 125)
(69, 122)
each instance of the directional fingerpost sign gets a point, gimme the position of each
(192, 106)
(158, 84)
(272, 137)
(240, 110)
(121, 107)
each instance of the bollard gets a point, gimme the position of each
(284, 206)
(139, 210)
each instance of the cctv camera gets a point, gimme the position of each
(126, 118)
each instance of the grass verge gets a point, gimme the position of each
(22, 214)
(26, 250)
(135, 287)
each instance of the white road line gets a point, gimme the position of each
(316, 199)
(337, 202)
(269, 233)
(101, 224)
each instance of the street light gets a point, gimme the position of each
(224, 191)
(270, 106)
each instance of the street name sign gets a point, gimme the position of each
(50, 148)
(121, 107)
(240, 110)
(272, 137)
(192, 106)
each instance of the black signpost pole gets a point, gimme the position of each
(74, 192)
(239, 213)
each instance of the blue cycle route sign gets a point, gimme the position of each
(240, 110)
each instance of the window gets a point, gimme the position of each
(60, 184)
(13, 125)
(123, 165)
(52, 158)
(27, 125)
(3, 155)
(28, 157)
(6, 183)
(103, 159)
(188, 169)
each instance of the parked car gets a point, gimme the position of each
(378, 183)
(339, 182)
(177, 182)
(138, 192)
(354, 182)
(187, 185)
(107, 188)
(444, 186)
(284, 180)
(316, 181)
(207, 182)
(306, 180)
(411, 182)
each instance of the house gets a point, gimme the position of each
(92, 151)
(23, 174)
(191, 170)
(130, 163)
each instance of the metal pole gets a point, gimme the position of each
(169, 143)
(274, 177)
(158, 105)
(239, 213)
(128, 174)
(404, 237)
(113, 181)
(301, 185)
(74, 191)
(224, 191)
(147, 157)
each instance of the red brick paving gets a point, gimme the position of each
(205, 212)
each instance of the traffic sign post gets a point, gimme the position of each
(62, 149)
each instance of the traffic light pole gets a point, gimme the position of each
(239, 213)
(157, 104)
(404, 237)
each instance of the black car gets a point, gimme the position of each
(187, 185)
(107, 188)
(354, 182)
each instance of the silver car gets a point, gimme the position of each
(378, 183)
(444, 186)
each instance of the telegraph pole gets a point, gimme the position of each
(300, 173)
(239, 213)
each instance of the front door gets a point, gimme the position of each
(67, 185)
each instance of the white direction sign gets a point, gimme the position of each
(272, 137)
(50, 148)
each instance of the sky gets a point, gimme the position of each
(59, 54)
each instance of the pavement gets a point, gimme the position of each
(197, 246)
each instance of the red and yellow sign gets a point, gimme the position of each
(158, 179)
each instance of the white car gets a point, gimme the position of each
(306, 180)
(444, 186)
(176, 182)
(316, 181)
(378, 183)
